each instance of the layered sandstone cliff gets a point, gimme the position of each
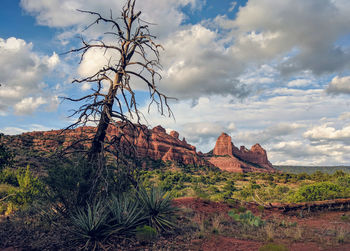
(145, 143)
(228, 157)
(153, 143)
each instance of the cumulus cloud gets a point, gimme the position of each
(197, 64)
(326, 133)
(209, 58)
(339, 85)
(272, 133)
(292, 28)
(301, 153)
(22, 75)
(63, 13)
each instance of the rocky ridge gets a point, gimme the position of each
(155, 144)
(228, 157)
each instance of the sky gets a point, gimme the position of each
(264, 71)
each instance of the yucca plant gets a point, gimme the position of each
(90, 223)
(157, 208)
(125, 214)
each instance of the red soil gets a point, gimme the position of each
(317, 222)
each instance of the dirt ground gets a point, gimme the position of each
(319, 229)
(206, 225)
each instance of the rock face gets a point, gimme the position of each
(157, 144)
(153, 143)
(228, 157)
(223, 145)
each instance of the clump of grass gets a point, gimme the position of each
(270, 232)
(298, 233)
(145, 233)
(273, 247)
(341, 234)
(345, 218)
(217, 224)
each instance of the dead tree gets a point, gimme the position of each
(137, 58)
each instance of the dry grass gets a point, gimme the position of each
(269, 231)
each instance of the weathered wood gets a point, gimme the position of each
(329, 205)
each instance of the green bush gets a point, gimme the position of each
(6, 157)
(29, 188)
(230, 186)
(247, 218)
(9, 176)
(318, 191)
(69, 183)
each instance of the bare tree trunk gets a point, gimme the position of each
(100, 135)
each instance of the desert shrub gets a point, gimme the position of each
(339, 173)
(229, 186)
(273, 247)
(145, 233)
(200, 191)
(9, 176)
(6, 157)
(157, 208)
(303, 176)
(282, 189)
(213, 189)
(68, 184)
(173, 180)
(29, 188)
(343, 181)
(320, 176)
(318, 191)
(247, 218)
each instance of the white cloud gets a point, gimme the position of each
(28, 105)
(327, 133)
(344, 116)
(339, 85)
(18, 130)
(22, 76)
(62, 13)
(293, 26)
(232, 6)
(273, 133)
(196, 63)
(299, 83)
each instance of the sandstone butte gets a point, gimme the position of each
(155, 144)
(228, 157)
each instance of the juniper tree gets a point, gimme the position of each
(136, 58)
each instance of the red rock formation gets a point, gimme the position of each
(152, 143)
(223, 145)
(228, 157)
